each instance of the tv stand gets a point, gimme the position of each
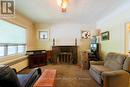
(93, 56)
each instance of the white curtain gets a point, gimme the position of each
(11, 33)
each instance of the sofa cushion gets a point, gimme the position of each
(100, 68)
(21, 78)
(95, 75)
(114, 61)
(8, 77)
(126, 65)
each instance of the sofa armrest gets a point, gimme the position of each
(96, 62)
(30, 79)
(118, 78)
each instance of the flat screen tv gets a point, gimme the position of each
(93, 46)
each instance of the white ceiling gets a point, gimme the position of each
(80, 11)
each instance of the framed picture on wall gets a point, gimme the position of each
(105, 36)
(85, 34)
(43, 34)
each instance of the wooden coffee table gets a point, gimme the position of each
(47, 79)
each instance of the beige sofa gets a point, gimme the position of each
(112, 72)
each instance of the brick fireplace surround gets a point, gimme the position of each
(65, 54)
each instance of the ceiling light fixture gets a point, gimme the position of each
(63, 4)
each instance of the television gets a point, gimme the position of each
(94, 54)
(94, 47)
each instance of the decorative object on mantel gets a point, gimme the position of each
(43, 34)
(53, 42)
(75, 41)
(85, 34)
(105, 36)
(63, 4)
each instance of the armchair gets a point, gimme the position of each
(114, 78)
(8, 77)
(112, 72)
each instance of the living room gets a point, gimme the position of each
(59, 27)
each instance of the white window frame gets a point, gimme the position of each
(6, 45)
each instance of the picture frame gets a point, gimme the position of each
(43, 34)
(85, 34)
(105, 36)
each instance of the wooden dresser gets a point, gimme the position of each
(37, 58)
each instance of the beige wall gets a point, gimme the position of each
(115, 23)
(64, 34)
(40, 43)
(31, 39)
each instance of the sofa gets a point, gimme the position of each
(9, 78)
(112, 72)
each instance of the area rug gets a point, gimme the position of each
(70, 76)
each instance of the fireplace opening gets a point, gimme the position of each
(65, 54)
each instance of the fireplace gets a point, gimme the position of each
(65, 54)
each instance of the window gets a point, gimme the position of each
(21, 48)
(12, 50)
(12, 39)
(1, 50)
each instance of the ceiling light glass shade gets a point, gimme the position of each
(62, 4)
(59, 2)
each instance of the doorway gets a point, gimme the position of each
(127, 38)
